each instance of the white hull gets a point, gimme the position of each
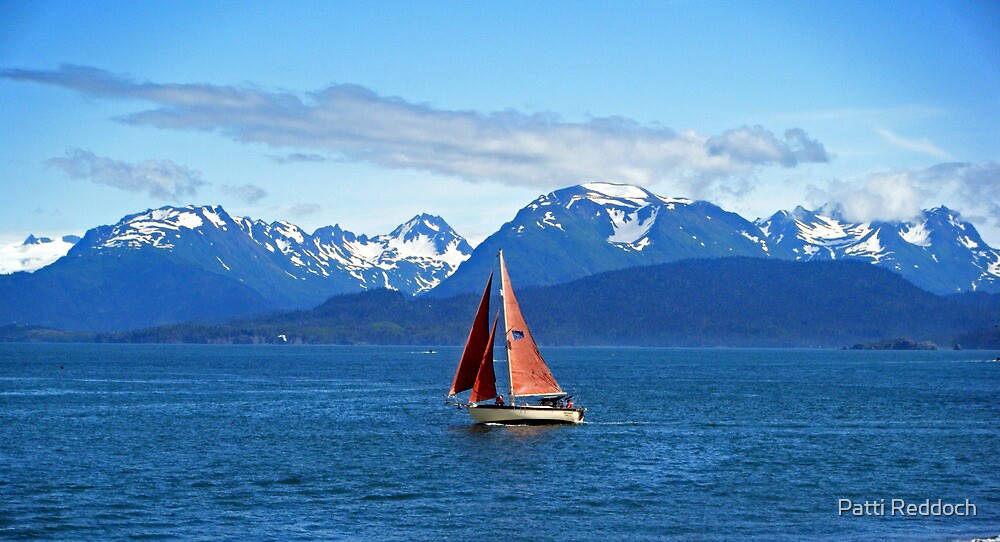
(525, 415)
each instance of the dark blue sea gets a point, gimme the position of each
(108, 442)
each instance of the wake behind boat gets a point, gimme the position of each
(530, 377)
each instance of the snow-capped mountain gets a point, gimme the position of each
(280, 256)
(176, 264)
(34, 253)
(197, 262)
(581, 230)
(936, 251)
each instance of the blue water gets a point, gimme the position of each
(103, 442)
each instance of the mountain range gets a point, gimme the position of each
(582, 230)
(936, 251)
(737, 301)
(177, 264)
(185, 263)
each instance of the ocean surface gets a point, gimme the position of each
(109, 442)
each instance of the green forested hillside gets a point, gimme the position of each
(722, 302)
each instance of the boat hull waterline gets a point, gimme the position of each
(525, 415)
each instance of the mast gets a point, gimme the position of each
(506, 329)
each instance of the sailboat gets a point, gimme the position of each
(530, 378)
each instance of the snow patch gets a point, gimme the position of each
(290, 231)
(453, 256)
(625, 191)
(189, 221)
(824, 231)
(367, 253)
(968, 243)
(917, 234)
(671, 201)
(214, 218)
(420, 246)
(755, 239)
(627, 226)
(550, 219)
(608, 202)
(870, 247)
(151, 228)
(994, 267)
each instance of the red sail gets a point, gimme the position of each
(528, 373)
(486, 381)
(472, 356)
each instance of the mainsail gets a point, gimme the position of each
(472, 356)
(486, 381)
(528, 373)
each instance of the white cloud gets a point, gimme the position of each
(296, 157)
(534, 150)
(975, 186)
(883, 196)
(161, 179)
(757, 145)
(17, 256)
(922, 145)
(300, 210)
(901, 194)
(249, 193)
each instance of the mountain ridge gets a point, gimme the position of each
(565, 235)
(595, 227)
(252, 265)
(586, 229)
(935, 250)
(737, 301)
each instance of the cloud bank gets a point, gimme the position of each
(161, 179)
(355, 123)
(901, 194)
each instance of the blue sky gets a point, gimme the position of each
(367, 113)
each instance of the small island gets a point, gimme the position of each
(896, 344)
